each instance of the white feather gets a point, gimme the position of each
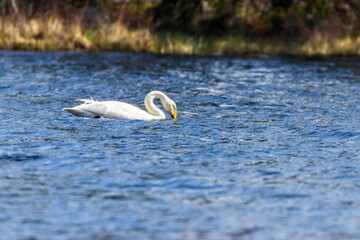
(115, 109)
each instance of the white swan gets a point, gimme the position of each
(115, 109)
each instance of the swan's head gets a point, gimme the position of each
(168, 104)
(170, 107)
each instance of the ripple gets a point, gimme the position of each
(344, 135)
(255, 136)
(19, 157)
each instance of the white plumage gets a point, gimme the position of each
(114, 109)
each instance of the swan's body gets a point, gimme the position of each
(115, 109)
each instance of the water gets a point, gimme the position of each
(263, 148)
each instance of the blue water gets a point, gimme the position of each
(263, 148)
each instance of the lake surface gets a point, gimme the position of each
(263, 148)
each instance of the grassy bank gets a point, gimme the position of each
(54, 33)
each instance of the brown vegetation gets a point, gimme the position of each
(294, 27)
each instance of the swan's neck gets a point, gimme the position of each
(151, 107)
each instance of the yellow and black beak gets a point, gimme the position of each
(174, 114)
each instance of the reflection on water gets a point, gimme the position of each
(264, 148)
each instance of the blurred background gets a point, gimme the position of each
(232, 27)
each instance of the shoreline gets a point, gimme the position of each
(54, 34)
(182, 48)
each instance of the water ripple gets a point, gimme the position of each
(264, 148)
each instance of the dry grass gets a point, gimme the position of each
(323, 46)
(54, 33)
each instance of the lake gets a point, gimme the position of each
(264, 147)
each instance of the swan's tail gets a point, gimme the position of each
(89, 108)
(86, 101)
(74, 111)
(78, 111)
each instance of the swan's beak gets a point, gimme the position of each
(174, 114)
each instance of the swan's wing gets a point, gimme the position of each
(123, 110)
(109, 109)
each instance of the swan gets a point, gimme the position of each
(114, 109)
